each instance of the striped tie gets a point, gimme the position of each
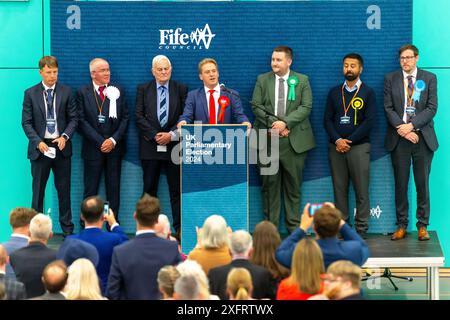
(163, 107)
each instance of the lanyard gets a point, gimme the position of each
(409, 99)
(343, 99)
(99, 107)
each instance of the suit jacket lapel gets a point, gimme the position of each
(92, 95)
(400, 88)
(40, 93)
(58, 102)
(172, 100)
(420, 77)
(152, 96)
(203, 103)
(272, 91)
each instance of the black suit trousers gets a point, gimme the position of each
(61, 167)
(421, 157)
(152, 170)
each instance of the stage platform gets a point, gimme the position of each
(408, 253)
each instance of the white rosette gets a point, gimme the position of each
(113, 94)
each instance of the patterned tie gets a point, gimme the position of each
(50, 111)
(410, 93)
(100, 89)
(212, 108)
(163, 107)
(281, 98)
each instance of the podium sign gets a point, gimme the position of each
(214, 178)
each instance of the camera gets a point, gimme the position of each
(314, 207)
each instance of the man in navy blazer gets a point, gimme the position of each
(103, 124)
(213, 103)
(136, 263)
(49, 119)
(159, 104)
(94, 217)
(327, 223)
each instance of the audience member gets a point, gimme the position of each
(29, 262)
(187, 288)
(13, 290)
(241, 248)
(192, 268)
(93, 216)
(327, 223)
(307, 269)
(342, 282)
(54, 279)
(83, 282)
(239, 284)
(266, 240)
(166, 281)
(19, 219)
(212, 244)
(73, 249)
(136, 263)
(163, 231)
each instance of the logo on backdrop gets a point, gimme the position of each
(176, 39)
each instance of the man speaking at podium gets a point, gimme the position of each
(213, 103)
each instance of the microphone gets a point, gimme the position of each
(260, 107)
(225, 89)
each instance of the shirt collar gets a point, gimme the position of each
(413, 74)
(355, 87)
(285, 77)
(96, 86)
(47, 87)
(18, 235)
(216, 88)
(166, 85)
(144, 231)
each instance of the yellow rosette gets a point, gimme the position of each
(357, 104)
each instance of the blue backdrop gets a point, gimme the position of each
(240, 36)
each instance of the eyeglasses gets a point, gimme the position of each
(407, 58)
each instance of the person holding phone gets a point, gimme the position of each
(327, 223)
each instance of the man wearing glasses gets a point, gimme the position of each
(410, 103)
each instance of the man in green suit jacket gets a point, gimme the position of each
(282, 101)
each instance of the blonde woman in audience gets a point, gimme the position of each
(239, 284)
(83, 282)
(266, 240)
(306, 273)
(166, 281)
(192, 268)
(212, 248)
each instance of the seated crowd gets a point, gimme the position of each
(97, 264)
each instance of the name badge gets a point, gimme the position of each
(101, 118)
(160, 148)
(345, 120)
(410, 110)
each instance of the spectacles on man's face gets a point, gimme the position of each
(407, 58)
(327, 278)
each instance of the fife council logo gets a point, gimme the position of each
(176, 39)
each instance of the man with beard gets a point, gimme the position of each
(349, 116)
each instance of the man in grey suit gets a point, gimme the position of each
(19, 219)
(410, 103)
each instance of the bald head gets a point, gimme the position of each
(54, 276)
(92, 209)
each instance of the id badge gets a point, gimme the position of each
(101, 118)
(410, 110)
(345, 120)
(161, 148)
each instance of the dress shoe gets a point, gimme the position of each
(400, 233)
(423, 234)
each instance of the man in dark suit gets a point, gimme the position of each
(49, 119)
(205, 104)
(93, 217)
(136, 263)
(410, 103)
(54, 278)
(29, 262)
(15, 290)
(282, 102)
(241, 248)
(19, 219)
(327, 223)
(103, 124)
(159, 104)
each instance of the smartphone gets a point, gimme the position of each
(314, 207)
(106, 208)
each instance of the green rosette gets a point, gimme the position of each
(292, 83)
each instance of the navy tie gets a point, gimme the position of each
(50, 111)
(163, 107)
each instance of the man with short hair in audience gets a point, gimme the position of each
(327, 224)
(54, 279)
(19, 219)
(241, 249)
(136, 263)
(187, 288)
(29, 262)
(93, 217)
(15, 290)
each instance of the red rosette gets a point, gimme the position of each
(224, 102)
